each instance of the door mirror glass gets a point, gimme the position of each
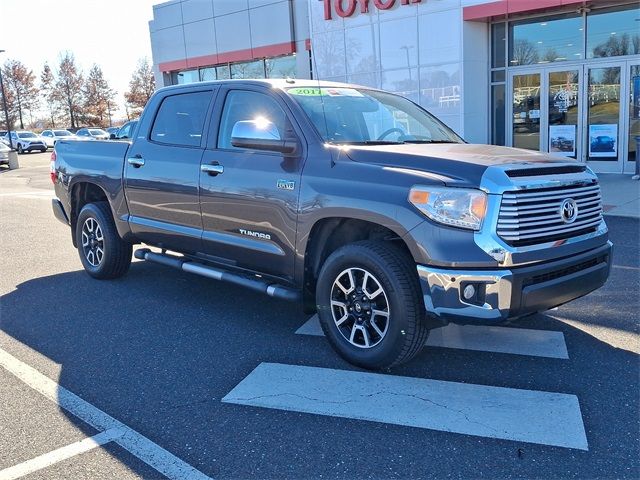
(260, 134)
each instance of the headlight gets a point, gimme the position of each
(458, 207)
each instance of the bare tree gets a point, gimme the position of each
(141, 87)
(98, 97)
(524, 52)
(21, 88)
(68, 88)
(47, 91)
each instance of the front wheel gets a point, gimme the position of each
(370, 305)
(103, 253)
(20, 150)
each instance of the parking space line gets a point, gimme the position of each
(140, 446)
(522, 415)
(60, 454)
(515, 341)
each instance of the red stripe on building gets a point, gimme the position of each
(504, 7)
(275, 50)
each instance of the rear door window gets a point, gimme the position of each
(180, 119)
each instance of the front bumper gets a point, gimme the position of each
(510, 293)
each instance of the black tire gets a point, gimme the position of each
(43, 151)
(20, 150)
(115, 259)
(405, 329)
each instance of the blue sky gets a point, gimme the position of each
(112, 33)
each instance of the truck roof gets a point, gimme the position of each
(280, 83)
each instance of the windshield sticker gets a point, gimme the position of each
(327, 92)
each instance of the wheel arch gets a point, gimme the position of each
(81, 194)
(328, 234)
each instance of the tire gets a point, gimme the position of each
(43, 151)
(392, 339)
(104, 255)
(20, 150)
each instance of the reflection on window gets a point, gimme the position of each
(223, 72)
(248, 69)
(281, 67)
(613, 33)
(498, 116)
(188, 76)
(440, 87)
(546, 41)
(207, 74)
(498, 45)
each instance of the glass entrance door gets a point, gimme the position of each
(633, 115)
(525, 110)
(563, 113)
(604, 118)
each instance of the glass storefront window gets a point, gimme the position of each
(526, 111)
(281, 67)
(613, 33)
(207, 74)
(498, 45)
(248, 69)
(634, 111)
(188, 76)
(223, 73)
(603, 115)
(546, 40)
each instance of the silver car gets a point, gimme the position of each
(50, 137)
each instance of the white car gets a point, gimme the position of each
(92, 134)
(25, 141)
(50, 137)
(4, 154)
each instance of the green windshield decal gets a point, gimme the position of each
(327, 92)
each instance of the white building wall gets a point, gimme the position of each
(424, 51)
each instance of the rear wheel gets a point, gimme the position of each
(370, 305)
(20, 150)
(103, 253)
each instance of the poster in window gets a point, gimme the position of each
(603, 140)
(562, 140)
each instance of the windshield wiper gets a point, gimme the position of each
(429, 141)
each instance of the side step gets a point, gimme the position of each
(254, 283)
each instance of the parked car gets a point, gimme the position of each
(112, 130)
(25, 141)
(602, 143)
(354, 201)
(4, 154)
(50, 137)
(93, 133)
(126, 131)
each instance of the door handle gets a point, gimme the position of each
(212, 170)
(136, 161)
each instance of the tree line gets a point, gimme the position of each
(67, 96)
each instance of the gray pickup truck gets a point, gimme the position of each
(356, 202)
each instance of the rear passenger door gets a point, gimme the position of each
(162, 171)
(249, 209)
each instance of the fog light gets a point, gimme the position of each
(469, 292)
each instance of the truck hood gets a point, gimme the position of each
(461, 164)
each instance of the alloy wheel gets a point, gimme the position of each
(360, 307)
(92, 242)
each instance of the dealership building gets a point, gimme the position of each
(560, 76)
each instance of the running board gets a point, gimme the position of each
(261, 285)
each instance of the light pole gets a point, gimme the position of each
(6, 111)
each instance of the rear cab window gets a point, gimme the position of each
(180, 119)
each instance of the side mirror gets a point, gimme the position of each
(112, 136)
(261, 135)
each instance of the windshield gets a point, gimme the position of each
(97, 131)
(361, 116)
(62, 133)
(27, 135)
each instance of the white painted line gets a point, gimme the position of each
(41, 193)
(64, 453)
(140, 446)
(516, 341)
(496, 412)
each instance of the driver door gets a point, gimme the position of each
(249, 208)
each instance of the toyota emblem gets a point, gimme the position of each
(568, 210)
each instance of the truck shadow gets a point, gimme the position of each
(159, 348)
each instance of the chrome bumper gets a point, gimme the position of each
(511, 293)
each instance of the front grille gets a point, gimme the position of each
(530, 217)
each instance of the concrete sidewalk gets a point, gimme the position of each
(620, 195)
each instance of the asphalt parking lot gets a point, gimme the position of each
(179, 374)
